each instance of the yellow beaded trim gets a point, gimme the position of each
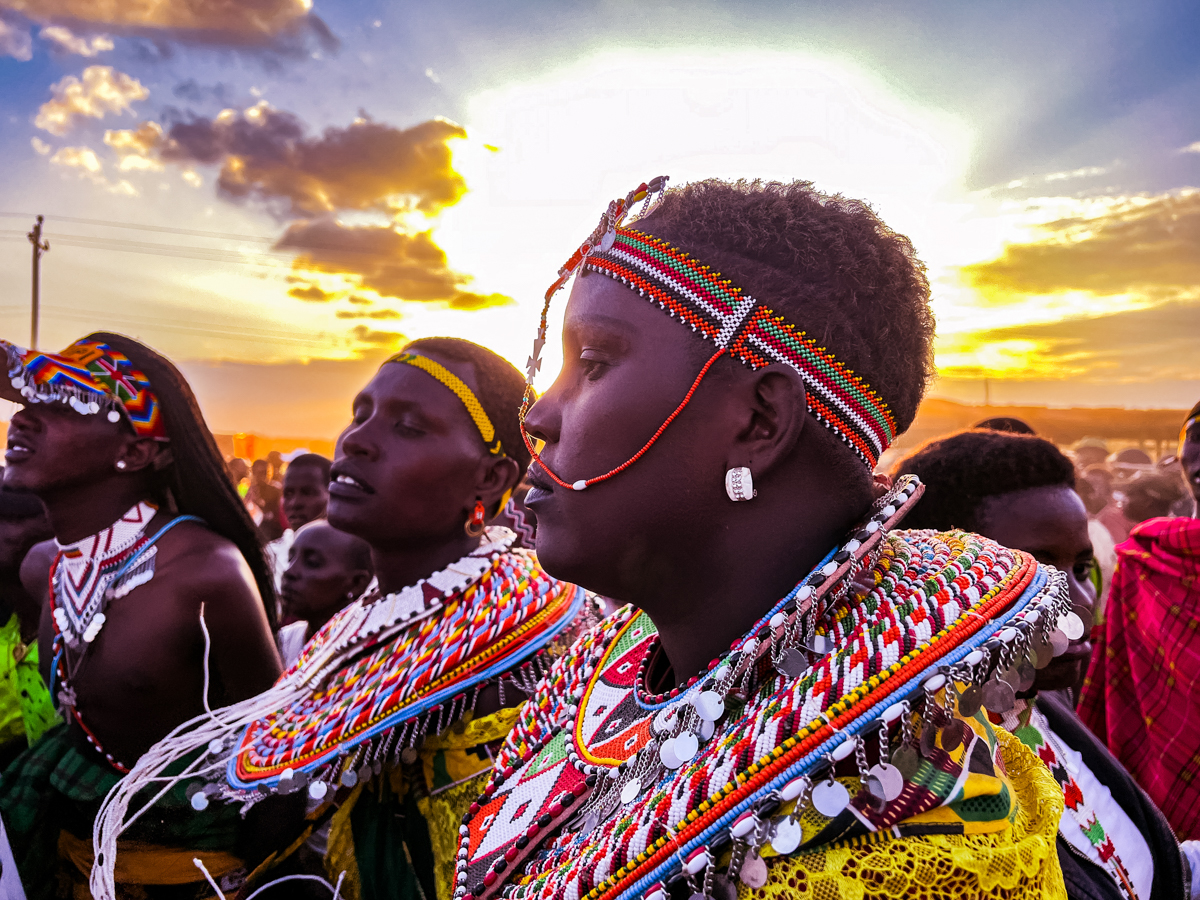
(460, 389)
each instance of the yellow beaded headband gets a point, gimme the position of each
(460, 389)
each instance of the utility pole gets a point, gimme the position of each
(39, 247)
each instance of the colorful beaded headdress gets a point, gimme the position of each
(736, 323)
(88, 376)
(474, 408)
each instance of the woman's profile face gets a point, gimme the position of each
(626, 367)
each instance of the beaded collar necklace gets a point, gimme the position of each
(391, 668)
(659, 795)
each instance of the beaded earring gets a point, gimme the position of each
(474, 525)
(121, 465)
(739, 484)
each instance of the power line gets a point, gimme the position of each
(160, 228)
(236, 332)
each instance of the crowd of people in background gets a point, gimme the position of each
(501, 645)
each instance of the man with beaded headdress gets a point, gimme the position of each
(791, 703)
(386, 723)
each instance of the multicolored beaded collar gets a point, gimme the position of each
(88, 376)
(605, 792)
(735, 323)
(389, 669)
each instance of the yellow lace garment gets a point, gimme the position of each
(1016, 862)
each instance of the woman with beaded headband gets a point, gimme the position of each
(160, 603)
(385, 724)
(791, 704)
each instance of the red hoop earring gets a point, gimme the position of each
(474, 524)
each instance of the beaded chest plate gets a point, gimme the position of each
(369, 679)
(647, 787)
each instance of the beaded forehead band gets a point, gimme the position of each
(88, 376)
(474, 408)
(735, 323)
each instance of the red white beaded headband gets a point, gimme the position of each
(736, 323)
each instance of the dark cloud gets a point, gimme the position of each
(228, 22)
(371, 314)
(267, 155)
(310, 293)
(365, 335)
(1145, 247)
(389, 262)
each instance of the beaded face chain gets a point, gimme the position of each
(727, 760)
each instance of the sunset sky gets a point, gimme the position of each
(275, 194)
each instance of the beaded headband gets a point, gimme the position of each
(474, 408)
(88, 376)
(735, 323)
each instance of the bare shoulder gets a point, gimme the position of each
(210, 563)
(35, 569)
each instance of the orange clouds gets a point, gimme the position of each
(266, 155)
(382, 259)
(101, 90)
(243, 21)
(1143, 245)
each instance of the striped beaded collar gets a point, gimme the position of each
(619, 793)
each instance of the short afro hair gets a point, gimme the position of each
(963, 470)
(312, 461)
(829, 264)
(501, 389)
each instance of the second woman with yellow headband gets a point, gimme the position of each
(385, 719)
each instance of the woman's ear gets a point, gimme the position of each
(773, 403)
(498, 476)
(359, 581)
(140, 454)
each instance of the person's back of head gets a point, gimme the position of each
(963, 471)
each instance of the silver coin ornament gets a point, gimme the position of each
(409, 755)
(907, 761)
(1041, 650)
(686, 746)
(1011, 677)
(970, 701)
(786, 836)
(792, 663)
(890, 778)
(998, 696)
(753, 873)
(349, 778)
(710, 705)
(1026, 674)
(1072, 626)
(630, 790)
(723, 889)
(1085, 617)
(1059, 642)
(875, 792)
(953, 736)
(830, 798)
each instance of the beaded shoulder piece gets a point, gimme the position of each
(389, 669)
(605, 791)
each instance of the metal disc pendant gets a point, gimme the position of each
(830, 798)
(753, 873)
(686, 746)
(1011, 676)
(349, 778)
(630, 791)
(998, 696)
(723, 889)
(970, 701)
(875, 793)
(787, 836)
(817, 645)
(1026, 674)
(1072, 626)
(792, 663)
(1059, 642)
(1041, 644)
(953, 736)
(1085, 617)
(907, 761)
(891, 779)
